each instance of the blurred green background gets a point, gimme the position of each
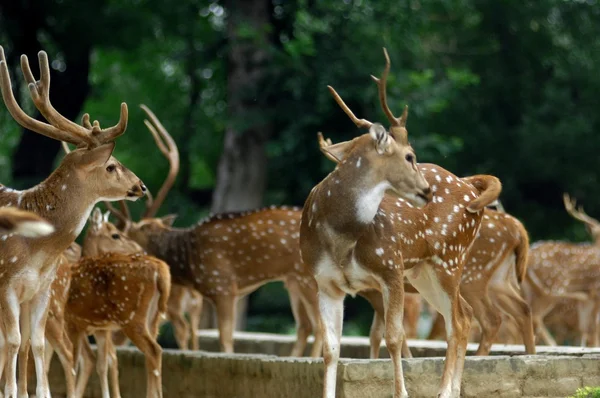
(503, 87)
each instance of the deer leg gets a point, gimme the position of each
(113, 367)
(412, 313)
(331, 314)
(38, 316)
(23, 356)
(378, 325)
(3, 349)
(225, 307)
(180, 326)
(516, 307)
(545, 335)
(303, 324)
(393, 300)
(310, 304)
(57, 340)
(195, 313)
(84, 354)
(585, 311)
(102, 362)
(488, 317)
(153, 355)
(442, 292)
(10, 311)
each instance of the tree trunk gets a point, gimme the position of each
(241, 174)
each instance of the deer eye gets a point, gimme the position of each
(116, 236)
(409, 157)
(111, 168)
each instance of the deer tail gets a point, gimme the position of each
(489, 188)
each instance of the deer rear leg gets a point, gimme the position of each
(516, 307)
(140, 336)
(57, 340)
(180, 327)
(83, 353)
(442, 292)
(303, 324)
(195, 314)
(488, 317)
(225, 308)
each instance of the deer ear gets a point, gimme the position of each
(96, 218)
(98, 155)
(381, 137)
(337, 152)
(106, 216)
(169, 219)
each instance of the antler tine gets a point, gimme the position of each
(382, 89)
(40, 94)
(65, 147)
(579, 213)
(111, 133)
(360, 123)
(20, 116)
(168, 147)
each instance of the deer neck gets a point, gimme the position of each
(62, 199)
(346, 203)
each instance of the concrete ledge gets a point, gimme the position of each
(358, 347)
(200, 374)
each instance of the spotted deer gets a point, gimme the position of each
(561, 271)
(491, 278)
(226, 256)
(355, 237)
(65, 199)
(114, 286)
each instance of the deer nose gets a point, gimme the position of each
(427, 194)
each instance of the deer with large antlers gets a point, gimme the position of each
(563, 270)
(375, 220)
(84, 177)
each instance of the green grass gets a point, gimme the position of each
(587, 392)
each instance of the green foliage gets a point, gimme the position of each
(587, 392)
(507, 88)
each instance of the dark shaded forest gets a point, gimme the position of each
(507, 88)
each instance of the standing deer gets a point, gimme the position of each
(492, 273)
(563, 270)
(355, 237)
(226, 256)
(112, 287)
(65, 199)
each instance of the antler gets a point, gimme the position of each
(60, 128)
(578, 214)
(382, 88)
(360, 123)
(168, 147)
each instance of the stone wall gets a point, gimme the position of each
(208, 375)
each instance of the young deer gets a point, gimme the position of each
(563, 270)
(355, 237)
(65, 199)
(111, 288)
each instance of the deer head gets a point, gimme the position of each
(591, 224)
(143, 230)
(386, 152)
(103, 237)
(91, 166)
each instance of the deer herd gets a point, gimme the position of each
(380, 225)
